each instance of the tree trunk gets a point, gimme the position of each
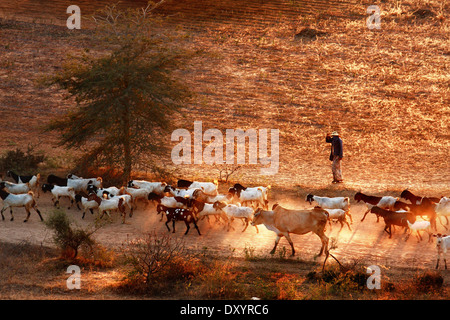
(127, 144)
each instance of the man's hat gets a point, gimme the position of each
(335, 133)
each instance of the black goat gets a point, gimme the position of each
(393, 218)
(408, 195)
(178, 214)
(52, 179)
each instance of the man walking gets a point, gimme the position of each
(336, 155)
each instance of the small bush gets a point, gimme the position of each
(21, 162)
(221, 281)
(67, 238)
(429, 281)
(98, 256)
(288, 288)
(341, 279)
(249, 253)
(157, 262)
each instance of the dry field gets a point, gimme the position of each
(386, 91)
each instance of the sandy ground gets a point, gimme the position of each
(366, 242)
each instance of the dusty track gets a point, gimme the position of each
(366, 242)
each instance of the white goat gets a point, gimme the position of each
(332, 203)
(18, 200)
(101, 192)
(442, 244)
(106, 205)
(236, 212)
(208, 187)
(86, 204)
(249, 196)
(419, 226)
(127, 199)
(33, 180)
(203, 209)
(136, 194)
(185, 193)
(81, 184)
(155, 187)
(338, 215)
(16, 188)
(264, 190)
(59, 192)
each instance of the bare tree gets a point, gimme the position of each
(227, 171)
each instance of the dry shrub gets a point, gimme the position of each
(429, 281)
(220, 282)
(288, 287)
(158, 263)
(309, 34)
(67, 237)
(97, 256)
(341, 279)
(21, 162)
(423, 13)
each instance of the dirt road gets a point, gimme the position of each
(366, 242)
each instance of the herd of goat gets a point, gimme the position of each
(190, 201)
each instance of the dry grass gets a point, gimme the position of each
(386, 91)
(43, 276)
